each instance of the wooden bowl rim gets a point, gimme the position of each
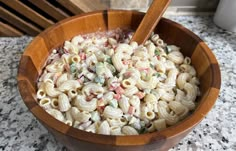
(142, 139)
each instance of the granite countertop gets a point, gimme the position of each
(20, 131)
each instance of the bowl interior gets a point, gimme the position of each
(203, 60)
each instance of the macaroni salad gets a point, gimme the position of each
(104, 83)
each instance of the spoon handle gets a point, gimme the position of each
(150, 20)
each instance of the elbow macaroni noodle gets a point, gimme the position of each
(103, 83)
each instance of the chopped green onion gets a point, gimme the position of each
(60, 50)
(152, 66)
(157, 74)
(86, 80)
(148, 77)
(142, 123)
(143, 75)
(99, 79)
(73, 68)
(167, 49)
(175, 90)
(157, 52)
(108, 60)
(110, 67)
(142, 130)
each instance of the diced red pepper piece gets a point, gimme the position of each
(67, 67)
(114, 47)
(82, 56)
(127, 74)
(106, 44)
(90, 97)
(140, 95)
(66, 51)
(131, 110)
(100, 102)
(117, 96)
(158, 57)
(144, 69)
(119, 90)
(56, 76)
(100, 109)
(111, 88)
(80, 80)
(117, 36)
(126, 62)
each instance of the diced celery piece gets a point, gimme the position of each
(113, 103)
(73, 68)
(99, 79)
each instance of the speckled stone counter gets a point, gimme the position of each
(20, 131)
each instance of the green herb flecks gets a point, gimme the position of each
(99, 79)
(157, 74)
(73, 68)
(152, 66)
(157, 52)
(167, 49)
(142, 130)
(113, 103)
(108, 60)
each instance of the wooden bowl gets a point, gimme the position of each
(36, 53)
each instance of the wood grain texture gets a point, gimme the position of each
(8, 30)
(51, 10)
(32, 16)
(49, 120)
(21, 24)
(202, 58)
(70, 6)
(28, 12)
(26, 88)
(41, 51)
(28, 71)
(89, 5)
(150, 20)
(79, 6)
